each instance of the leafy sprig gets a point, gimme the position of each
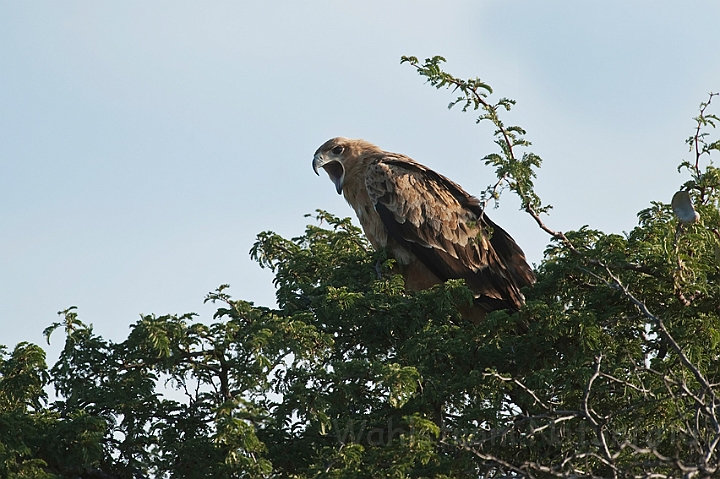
(702, 181)
(517, 173)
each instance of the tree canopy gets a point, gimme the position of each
(610, 370)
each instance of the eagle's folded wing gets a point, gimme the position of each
(437, 221)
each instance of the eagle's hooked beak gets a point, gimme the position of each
(334, 169)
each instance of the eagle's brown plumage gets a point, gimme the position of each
(435, 230)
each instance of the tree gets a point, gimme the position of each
(610, 370)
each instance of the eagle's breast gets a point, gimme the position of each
(356, 194)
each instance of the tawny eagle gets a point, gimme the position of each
(434, 229)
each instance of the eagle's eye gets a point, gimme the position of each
(337, 150)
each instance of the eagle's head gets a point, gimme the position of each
(339, 156)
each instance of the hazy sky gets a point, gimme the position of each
(143, 145)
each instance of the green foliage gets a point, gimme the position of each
(610, 370)
(35, 440)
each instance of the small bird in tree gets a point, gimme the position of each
(434, 229)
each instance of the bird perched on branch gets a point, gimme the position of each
(434, 229)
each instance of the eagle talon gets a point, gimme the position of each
(378, 270)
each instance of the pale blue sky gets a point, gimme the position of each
(143, 145)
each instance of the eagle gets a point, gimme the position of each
(433, 228)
